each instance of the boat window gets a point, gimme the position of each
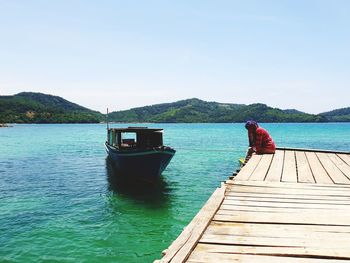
(128, 139)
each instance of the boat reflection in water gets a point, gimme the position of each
(157, 191)
(138, 152)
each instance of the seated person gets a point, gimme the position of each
(260, 140)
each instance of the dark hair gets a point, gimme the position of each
(250, 124)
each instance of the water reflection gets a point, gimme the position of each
(156, 192)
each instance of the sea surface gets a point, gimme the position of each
(61, 201)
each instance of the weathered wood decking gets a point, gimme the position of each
(293, 206)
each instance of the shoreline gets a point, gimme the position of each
(4, 125)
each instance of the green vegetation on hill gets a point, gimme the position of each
(29, 107)
(195, 110)
(339, 115)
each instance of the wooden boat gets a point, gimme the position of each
(138, 152)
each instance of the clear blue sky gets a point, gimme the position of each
(123, 54)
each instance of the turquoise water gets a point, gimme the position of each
(60, 200)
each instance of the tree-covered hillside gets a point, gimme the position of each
(195, 110)
(29, 107)
(339, 115)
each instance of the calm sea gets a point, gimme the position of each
(61, 202)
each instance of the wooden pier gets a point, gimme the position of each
(292, 206)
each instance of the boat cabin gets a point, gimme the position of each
(135, 138)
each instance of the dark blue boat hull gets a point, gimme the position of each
(140, 164)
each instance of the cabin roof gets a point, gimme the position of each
(136, 129)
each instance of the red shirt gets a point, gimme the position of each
(261, 139)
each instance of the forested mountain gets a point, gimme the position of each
(29, 107)
(195, 110)
(342, 114)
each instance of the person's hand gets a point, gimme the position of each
(251, 150)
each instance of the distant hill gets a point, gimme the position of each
(195, 110)
(339, 115)
(30, 107)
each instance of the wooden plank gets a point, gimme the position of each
(285, 196)
(341, 165)
(311, 209)
(249, 168)
(290, 190)
(290, 199)
(231, 228)
(275, 172)
(271, 240)
(180, 249)
(262, 168)
(317, 169)
(285, 191)
(200, 257)
(303, 168)
(289, 167)
(270, 209)
(333, 171)
(289, 185)
(319, 218)
(229, 209)
(288, 193)
(345, 158)
(297, 252)
(311, 150)
(301, 205)
(280, 196)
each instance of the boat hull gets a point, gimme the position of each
(140, 164)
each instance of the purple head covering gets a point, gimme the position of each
(251, 124)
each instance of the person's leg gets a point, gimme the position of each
(267, 151)
(249, 154)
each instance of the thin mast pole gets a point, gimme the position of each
(107, 120)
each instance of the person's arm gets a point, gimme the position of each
(251, 139)
(258, 141)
